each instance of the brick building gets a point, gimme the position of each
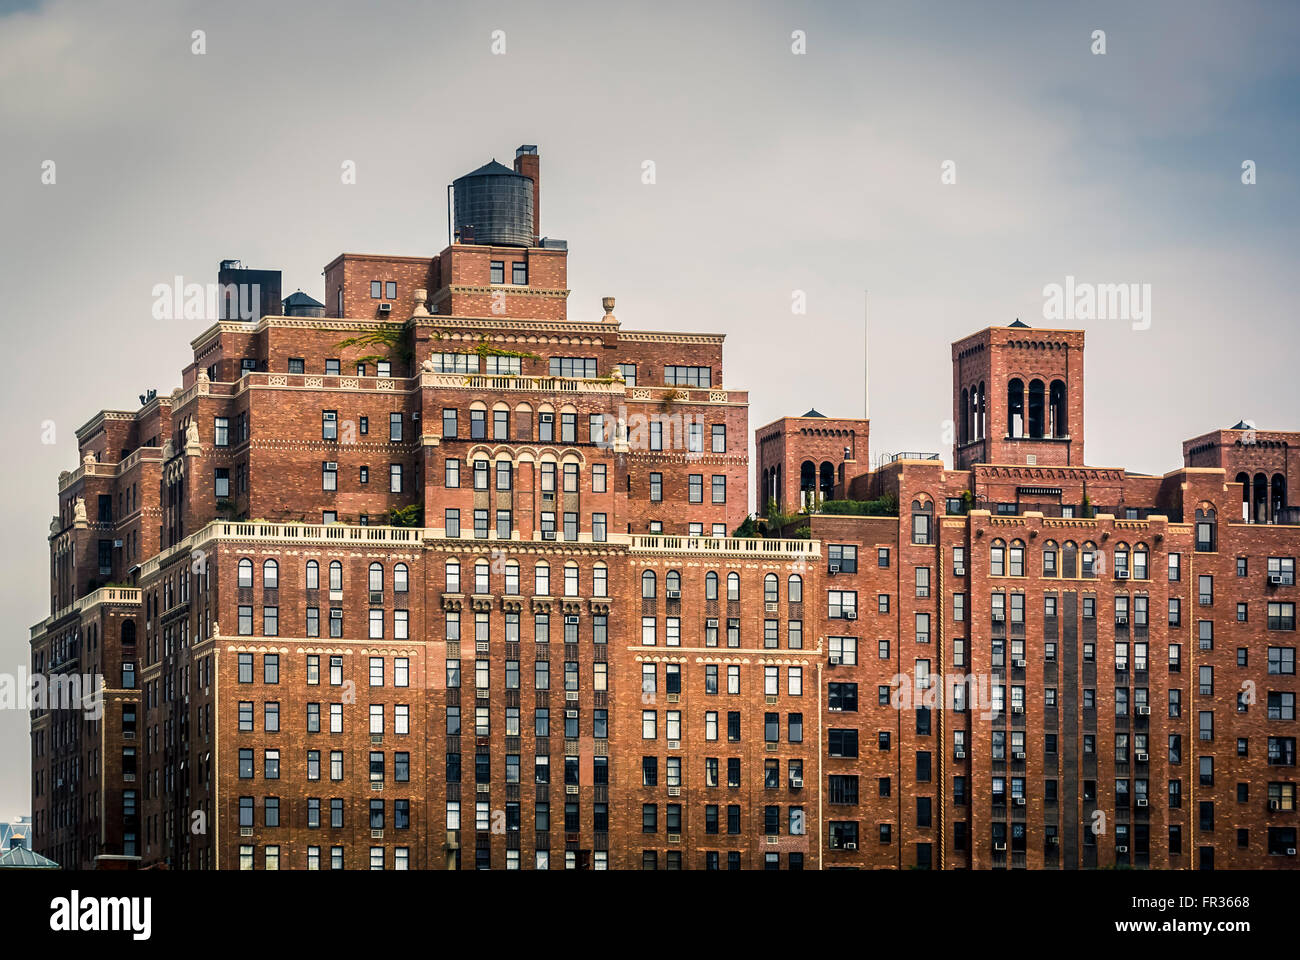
(435, 576)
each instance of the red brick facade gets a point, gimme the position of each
(464, 595)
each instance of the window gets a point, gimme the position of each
(843, 558)
(679, 376)
(519, 273)
(573, 367)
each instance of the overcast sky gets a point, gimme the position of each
(774, 173)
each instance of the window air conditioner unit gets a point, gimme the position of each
(548, 534)
(1020, 755)
(1142, 801)
(850, 614)
(1290, 851)
(415, 416)
(1054, 841)
(1122, 848)
(835, 661)
(385, 308)
(376, 834)
(674, 744)
(999, 617)
(1018, 663)
(959, 571)
(1017, 708)
(1141, 758)
(999, 846)
(548, 418)
(245, 831)
(959, 754)
(674, 594)
(1275, 804)
(835, 568)
(770, 607)
(481, 647)
(117, 544)
(1121, 574)
(571, 695)
(570, 619)
(1119, 621)
(796, 783)
(1275, 579)
(483, 788)
(1144, 710)
(674, 791)
(1020, 801)
(570, 788)
(850, 845)
(376, 596)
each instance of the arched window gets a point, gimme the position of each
(771, 588)
(1049, 559)
(794, 589)
(270, 574)
(571, 579)
(1277, 502)
(512, 578)
(376, 578)
(1088, 559)
(1261, 498)
(128, 632)
(1206, 529)
(1016, 407)
(1121, 561)
(313, 575)
(711, 585)
(1069, 560)
(673, 584)
(1244, 479)
(982, 412)
(245, 572)
(1140, 562)
(966, 416)
(482, 573)
(1036, 408)
(733, 586)
(1016, 566)
(600, 580)
(1056, 413)
(648, 585)
(453, 576)
(998, 558)
(401, 578)
(542, 580)
(336, 575)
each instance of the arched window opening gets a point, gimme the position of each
(1036, 408)
(1056, 409)
(1016, 408)
(827, 480)
(807, 483)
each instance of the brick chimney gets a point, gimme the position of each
(526, 162)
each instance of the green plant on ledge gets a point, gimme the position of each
(886, 506)
(393, 337)
(485, 349)
(408, 516)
